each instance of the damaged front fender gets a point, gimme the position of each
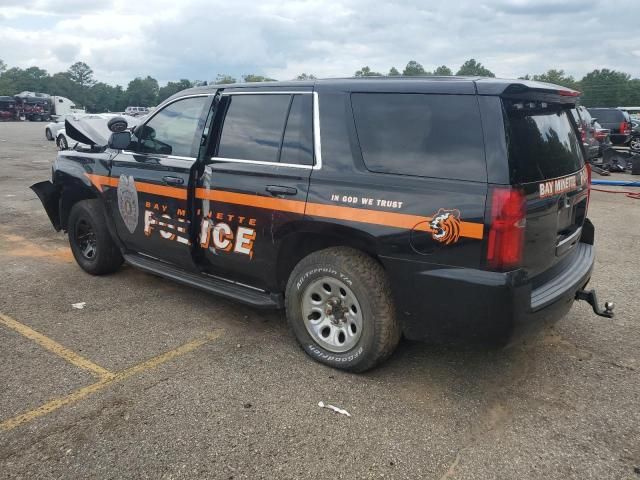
(49, 195)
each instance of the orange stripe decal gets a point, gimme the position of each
(172, 192)
(403, 221)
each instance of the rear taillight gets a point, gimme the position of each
(625, 128)
(506, 230)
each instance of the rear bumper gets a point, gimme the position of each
(447, 305)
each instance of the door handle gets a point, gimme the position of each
(281, 190)
(172, 180)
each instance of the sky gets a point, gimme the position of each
(199, 39)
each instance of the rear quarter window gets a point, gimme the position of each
(420, 134)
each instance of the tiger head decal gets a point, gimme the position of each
(445, 226)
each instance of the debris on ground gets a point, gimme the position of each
(79, 305)
(341, 411)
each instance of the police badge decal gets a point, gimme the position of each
(128, 202)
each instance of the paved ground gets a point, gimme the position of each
(155, 380)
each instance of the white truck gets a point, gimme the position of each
(36, 106)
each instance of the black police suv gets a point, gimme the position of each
(434, 208)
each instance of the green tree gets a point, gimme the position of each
(225, 79)
(3, 66)
(393, 72)
(60, 84)
(256, 78)
(473, 68)
(443, 71)
(413, 68)
(81, 74)
(142, 92)
(606, 88)
(305, 76)
(172, 88)
(32, 79)
(366, 72)
(557, 77)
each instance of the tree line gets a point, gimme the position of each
(599, 88)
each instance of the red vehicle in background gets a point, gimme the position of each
(8, 109)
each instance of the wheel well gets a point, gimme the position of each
(69, 197)
(296, 246)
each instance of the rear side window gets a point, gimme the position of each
(297, 144)
(268, 128)
(542, 143)
(420, 134)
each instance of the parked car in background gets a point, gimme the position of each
(83, 131)
(136, 111)
(617, 121)
(587, 131)
(7, 108)
(634, 143)
(52, 129)
(602, 135)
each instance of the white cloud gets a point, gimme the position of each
(198, 39)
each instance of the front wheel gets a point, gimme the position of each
(62, 143)
(48, 134)
(90, 240)
(634, 144)
(340, 309)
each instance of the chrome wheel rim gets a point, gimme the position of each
(635, 143)
(86, 239)
(332, 314)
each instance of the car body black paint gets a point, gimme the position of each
(442, 291)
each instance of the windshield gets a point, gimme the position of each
(542, 143)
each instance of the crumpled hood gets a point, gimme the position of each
(92, 129)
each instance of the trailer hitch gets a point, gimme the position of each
(589, 296)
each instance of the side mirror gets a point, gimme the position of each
(119, 140)
(593, 120)
(117, 124)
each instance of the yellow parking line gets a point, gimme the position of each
(56, 348)
(117, 377)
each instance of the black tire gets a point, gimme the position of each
(87, 224)
(47, 133)
(369, 285)
(62, 143)
(634, 144)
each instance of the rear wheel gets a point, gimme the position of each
(634, 144)
(91, 243)
(48, 134)
(340, 309)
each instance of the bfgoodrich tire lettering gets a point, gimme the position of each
(90, 240)
(369, 287)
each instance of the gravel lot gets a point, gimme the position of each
(239, 399)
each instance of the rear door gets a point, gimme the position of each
(254, 184)
(546, 161)
(150, 198)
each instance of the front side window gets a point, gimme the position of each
(268, 128)
(423, 135)
(172, 131)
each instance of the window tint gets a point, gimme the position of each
(172, 130)
(607, 115)
(542, 143)
(297, 144)
(253, 127)
(418, 134)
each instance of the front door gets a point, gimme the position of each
(254, 184)
(150, 201)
